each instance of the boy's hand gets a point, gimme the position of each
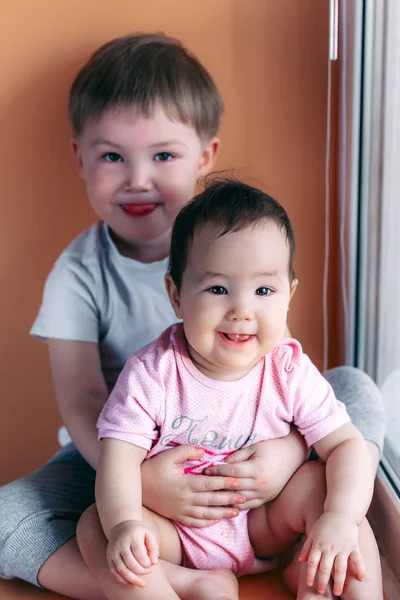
(331, 543)
(193, 500)
(263, 470)
(132, 550)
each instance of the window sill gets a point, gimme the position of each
(384, 516)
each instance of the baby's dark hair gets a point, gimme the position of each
(142, 71)
(229, 205)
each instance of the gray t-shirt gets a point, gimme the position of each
(94, 294)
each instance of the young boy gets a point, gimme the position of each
(226, 377)
(145, 116)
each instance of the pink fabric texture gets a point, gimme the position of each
(161, 400)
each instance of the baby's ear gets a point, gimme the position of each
(173, 294)
(293, 287)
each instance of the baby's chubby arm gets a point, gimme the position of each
(132, 548)
(333, 539)
(349, 473)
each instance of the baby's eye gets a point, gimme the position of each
(218, 290)
(163, 156)
(112, 157)
(263, 291)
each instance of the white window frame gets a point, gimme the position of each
(364, 28)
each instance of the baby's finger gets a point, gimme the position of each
(324, 572)
(339, 573)
(117, 576)
(241, 455)
(255, 503)
(152, 547)
(247, 483)
(312, 566)
(236, 470)
(305, 551)
(139, 551)
(198, 523)
(218, 499)
(212, 514)
(204, 483)
(132, 564)
(121, 572)
(358, 563)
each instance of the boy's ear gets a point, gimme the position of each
(208, 156)
(76, 152)
(173, 295)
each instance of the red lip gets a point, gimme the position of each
(138, 210)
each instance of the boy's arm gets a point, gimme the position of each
(118, 483)
(349, 473)
(80, 392)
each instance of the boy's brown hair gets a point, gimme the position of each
(142, 71)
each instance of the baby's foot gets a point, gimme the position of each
(219, 584)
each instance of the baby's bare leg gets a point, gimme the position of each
(167, 580)
(371, 588)
(277, 526)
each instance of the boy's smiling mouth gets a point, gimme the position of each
(139, 210)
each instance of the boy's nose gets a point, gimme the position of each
(138, 179)
(240, 313)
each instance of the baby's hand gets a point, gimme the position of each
(263, 470)
(132, 551)
(332, 542)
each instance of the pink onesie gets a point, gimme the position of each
(161, 400)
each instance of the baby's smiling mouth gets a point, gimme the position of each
(237, 337)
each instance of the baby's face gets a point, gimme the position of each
(234, 298)
(139, 172)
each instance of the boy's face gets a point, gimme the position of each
(139, 172)
(234, 298)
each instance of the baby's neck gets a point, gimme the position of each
(214, 372)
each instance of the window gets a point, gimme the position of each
(378, 303)
(370, 190)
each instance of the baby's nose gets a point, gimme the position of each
(240, 313)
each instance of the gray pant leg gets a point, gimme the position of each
(363, 401)
(39, 513)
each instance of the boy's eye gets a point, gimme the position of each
(112, 157)
(218, 290)
(263, 291)
(163, 156)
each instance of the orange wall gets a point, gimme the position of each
(269, 59)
